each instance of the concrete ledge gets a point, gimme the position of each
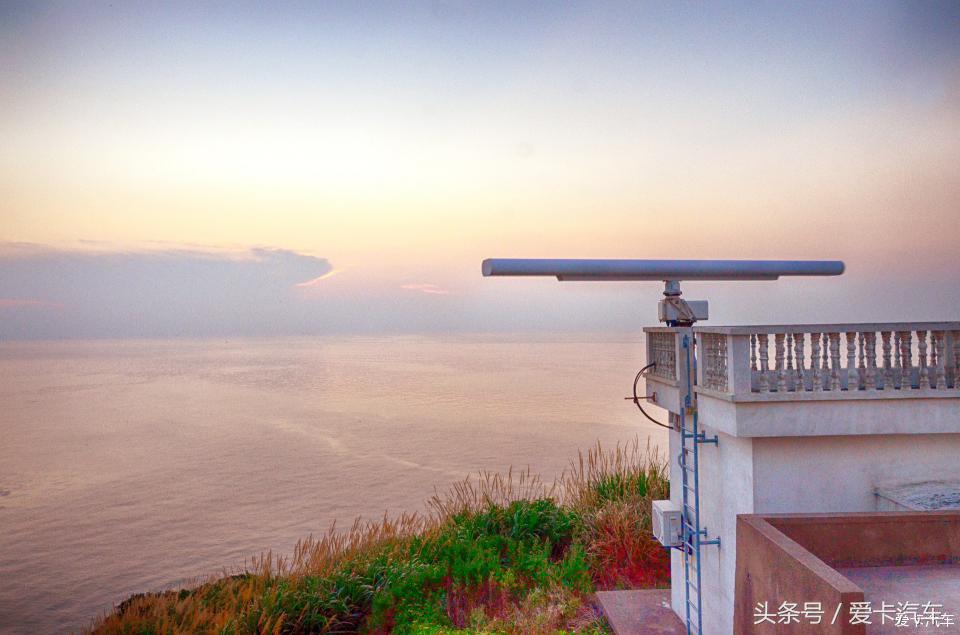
(812, 558)
(873, 538)
(772, 567)
(831, 417)
(640, 611)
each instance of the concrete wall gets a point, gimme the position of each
(875, 539)
(676, 558)
(726, 486)
(726, 489)
(793, 558)
(793, 475)
(772, 568)
(831, 414)
(842, 473)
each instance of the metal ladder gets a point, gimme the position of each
(694, 536)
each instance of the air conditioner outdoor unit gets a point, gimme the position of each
(666, 523)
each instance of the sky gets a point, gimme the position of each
(208, 169)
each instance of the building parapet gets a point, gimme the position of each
(816, 362)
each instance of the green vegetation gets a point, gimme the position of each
(499, 554)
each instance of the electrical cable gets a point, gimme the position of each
(636, 398)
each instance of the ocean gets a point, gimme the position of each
(138, 465)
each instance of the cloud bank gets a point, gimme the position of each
(51, 293)
(48, 293)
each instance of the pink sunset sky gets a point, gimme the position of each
(199, 169)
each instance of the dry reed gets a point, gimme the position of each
(611, 489)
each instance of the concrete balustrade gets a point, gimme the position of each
(907, 359)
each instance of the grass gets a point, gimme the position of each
(496, 554)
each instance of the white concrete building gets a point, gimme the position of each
(807, 418)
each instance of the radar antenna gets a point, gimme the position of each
(675, 312)
(673, 309)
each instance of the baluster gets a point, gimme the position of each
(939, 360)
(861, 338)
(887, 371)
(798, 339)
(781, 370)
(924, 381)
(825, 360)
(705, 358)
(753, 352)
(852, 375)
(815, 361)
(789, 371)
(956, 358)
(834, 361)
(763, 343)
(870, 337)
(722, 348)
(898, 370)
(906, 360)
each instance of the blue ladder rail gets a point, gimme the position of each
(694, 537)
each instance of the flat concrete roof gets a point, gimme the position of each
(896, 585)
(925, 496)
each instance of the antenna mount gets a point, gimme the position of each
(675, 311)
(672, 309)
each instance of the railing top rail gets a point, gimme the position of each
(828, 328)
(660, 329)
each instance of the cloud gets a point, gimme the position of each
(319, 279)
(19, 303)
(425, 287)
(163, 292)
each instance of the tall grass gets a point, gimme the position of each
(505, 553)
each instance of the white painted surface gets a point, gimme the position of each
(796, 475)
(828, 361)
(842, 474)
(666, 523)
(824, 450)
(918, 415)
(676, 558)
(726, 486)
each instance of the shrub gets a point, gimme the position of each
(499, 554)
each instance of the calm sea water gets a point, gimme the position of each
(128, 466)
